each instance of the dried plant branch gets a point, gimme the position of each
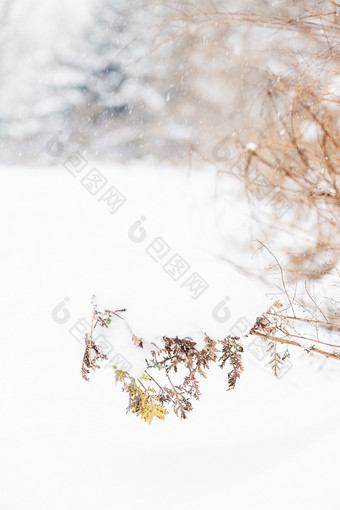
(179, 362)
(231, 352)
(89, 362)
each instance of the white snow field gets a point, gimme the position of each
(68, 444)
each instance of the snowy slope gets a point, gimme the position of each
(68, 444)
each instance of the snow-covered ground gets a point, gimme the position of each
(68, 444)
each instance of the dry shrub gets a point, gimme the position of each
(286, 60)
(299, 153)
(298, 140)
